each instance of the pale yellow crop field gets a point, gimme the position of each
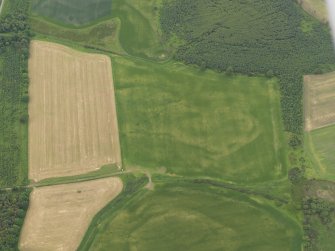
(72, 115)
(59, 216)
(316, 8)
(319, 100)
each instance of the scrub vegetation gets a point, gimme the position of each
(13, 205)
(14, 43)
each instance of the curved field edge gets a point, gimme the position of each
(139, 28)
(132, 186)
(72, 12)
(103, 35)
(69, 209)
(136, 197)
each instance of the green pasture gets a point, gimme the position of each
(199, 123)
(132, 26)
(72, 12)
(103, 35)
(177, 216)
(140, 30)
(320, 144)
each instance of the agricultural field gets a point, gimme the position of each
(207, 111)
(136, 28)
(58, 216)
(140, 33)
(273, 38)
(316, 8)
(319, 94)
(72, 12)
(199, 123)
(72, 116)
(103, 35)
(181, 216)
(319, 100)
(320, 144)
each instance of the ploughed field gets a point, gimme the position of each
(72, 116)
(59, 216)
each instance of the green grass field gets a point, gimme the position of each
(320, 144)
(136, 22)
(199, 123)
(140, 30)
(72, 12)
(103, 35)
(177, 216)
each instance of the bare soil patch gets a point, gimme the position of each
(319, 100)
(73, 125)
(59, 216)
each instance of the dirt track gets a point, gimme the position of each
(319, 101)
(72, 115)
(59, 216)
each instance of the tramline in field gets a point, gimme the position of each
(73, 125)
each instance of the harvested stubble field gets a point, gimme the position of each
(319, 96)
(316, 8)
(72, 115)
(59, 216)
